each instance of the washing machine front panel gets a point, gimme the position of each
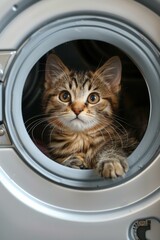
(29, 196)
(41, 199)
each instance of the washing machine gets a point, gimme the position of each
(39, 198)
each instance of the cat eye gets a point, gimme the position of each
(65, 96)
(93, 98)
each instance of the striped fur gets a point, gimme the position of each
(84, 132)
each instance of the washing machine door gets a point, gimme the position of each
(39, 198)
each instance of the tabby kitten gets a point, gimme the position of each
(81, 110)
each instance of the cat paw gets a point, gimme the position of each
(76, 162)
(112, 168)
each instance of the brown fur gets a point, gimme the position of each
(84, 134)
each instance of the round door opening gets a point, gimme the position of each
(45, 103)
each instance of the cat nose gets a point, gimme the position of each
(77, 108)
(77, 111)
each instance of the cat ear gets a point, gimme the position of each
(111, 72)
(55, 68)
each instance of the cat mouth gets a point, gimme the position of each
(77, 119)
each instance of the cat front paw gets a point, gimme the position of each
(76, 162)
(112, 168)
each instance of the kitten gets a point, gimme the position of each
(81, 110)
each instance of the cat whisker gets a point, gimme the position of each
(31, 119)
(117, 125)
(119, 136)
(113, 143)
(114, 131)
(121, 119)
(31, 128)
(120, 128)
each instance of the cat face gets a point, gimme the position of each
(81, 101)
